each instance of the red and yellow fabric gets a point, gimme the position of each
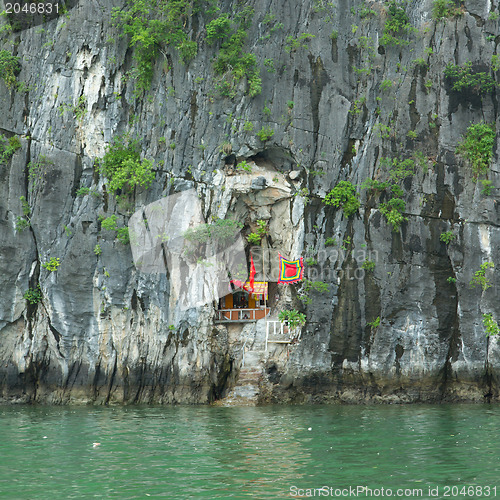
(252, 275)
(260, 288)
(290, 271)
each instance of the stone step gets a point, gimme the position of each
(247, 391)
(245, 380)
(251, 369)
(253, 374)
(253, 358)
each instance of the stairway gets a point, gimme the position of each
(246, 390)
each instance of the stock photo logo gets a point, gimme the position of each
(172, 237)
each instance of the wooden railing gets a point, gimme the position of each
(240, 315)
(279, 333)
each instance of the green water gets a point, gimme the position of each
(263, 452)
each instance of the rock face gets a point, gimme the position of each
(342, 103)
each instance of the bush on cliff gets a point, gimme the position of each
(344, 195)
(464, 78)
(151, 25)
(9, 66)
(477, 146)
(123, 168)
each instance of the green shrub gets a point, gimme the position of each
(304, 193)
(385, 85)
(451, 280)
(477, 146)
(316, 286)
(420, 62)
(308, 287)
(262, 227)
(344, 195)
(37, 171)
(109, 223)
(8, 147)
(487, 187)
(393, 212)
(444, 8)
(346, 243)
(122, 166)
(254, 238)
(218, 28)
(269, 64)
(295, 43)
(375, 186)
(330, 242)
(495, 62)
(294, 318)
(151, 25)
(310, 261)
(396, 26)
(21, 223)
(422, 161)
(366, 12)
(33, 295)
(480, 276)
(490, 325)
(265, 133)
(447, 237)
(221, 231)
(98, 250)
(374, 324)
(368, 265)
(357, 106)
(25, 206)
(9, 66)
(244, 165)
(123, 235)
(82, 191)
(187, 50)
(78, 110)
(232, 63)
(248, 127)
(52, 264)
(463, 79)
(254, 85)
(398, 168)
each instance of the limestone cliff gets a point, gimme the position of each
(335, 92)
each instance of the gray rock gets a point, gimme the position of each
(106, 332)
(259, 183)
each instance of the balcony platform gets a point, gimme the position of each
(240, 315)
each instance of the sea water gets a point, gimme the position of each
(182, 452)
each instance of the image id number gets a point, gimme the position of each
(31, 8)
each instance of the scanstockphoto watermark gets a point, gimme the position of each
(356, 492)
(442, 491)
